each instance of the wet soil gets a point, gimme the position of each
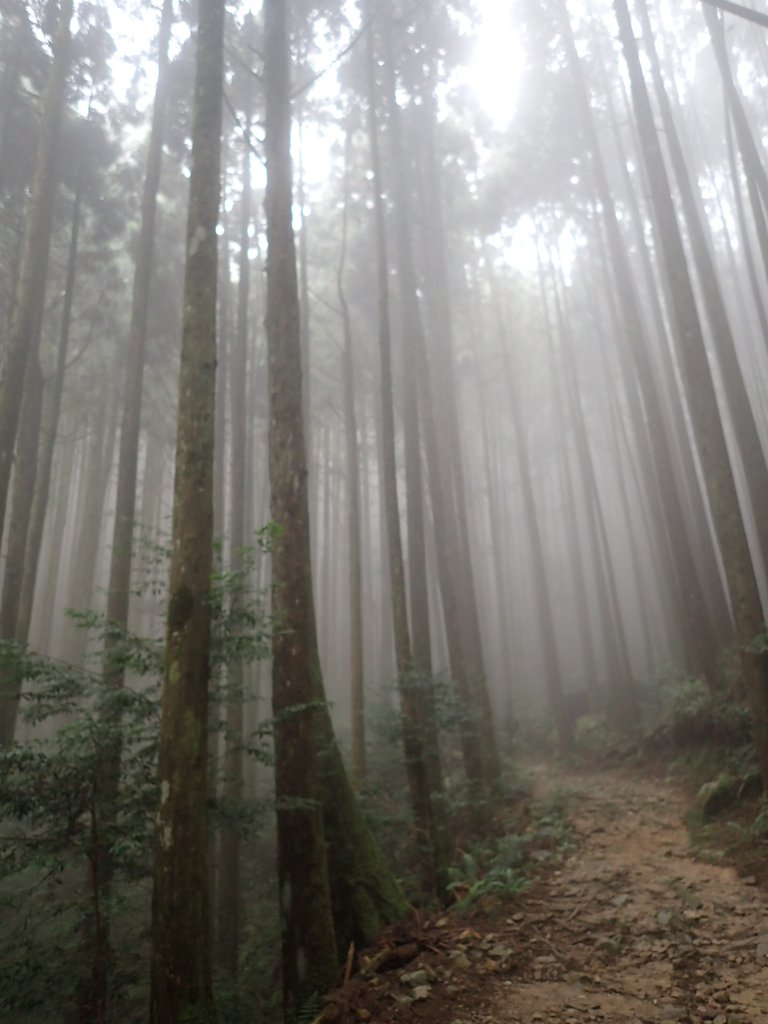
(630, 927)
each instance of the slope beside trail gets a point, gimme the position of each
(632, 928)
(629, 928)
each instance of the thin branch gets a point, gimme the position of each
(740, 11)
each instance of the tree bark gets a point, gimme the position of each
(229, 896)
(356, 665)
(119, 586)
(702, 403)
(308, 937)
(51, 416)
(34, 258)
(180, 965)
(698, 632)
(737, 399)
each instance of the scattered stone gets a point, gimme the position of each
(672, 1013)
(676, 943)
(500, 952)
(461, 960)
(415, 978)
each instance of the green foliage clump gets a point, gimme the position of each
(55, 820)
(702, 725)
(58, 813)
(502, 866)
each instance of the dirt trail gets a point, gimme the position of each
(631, 928)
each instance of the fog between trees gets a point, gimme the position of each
(485, 437)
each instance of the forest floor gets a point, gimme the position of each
(629, 926)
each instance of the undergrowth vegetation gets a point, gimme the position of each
(54, 823)
(503, 866)
(58, 816)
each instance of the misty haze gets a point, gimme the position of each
(384, 511)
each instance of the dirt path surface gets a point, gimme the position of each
(631, 928)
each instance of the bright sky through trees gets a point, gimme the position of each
(497, 62)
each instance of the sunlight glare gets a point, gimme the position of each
(497, 63)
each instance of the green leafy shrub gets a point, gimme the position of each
(502, 866)
(57, 816)
(692, 716)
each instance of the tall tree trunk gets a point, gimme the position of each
(181, 970)
(229, 897)
(758, 297)
(465, 658)
(757, 179)
(674, 427)
(698, 631)
(119, 585)
(118, 591)
(546, 624)
(52, 559)
(308, 937)
(364, 894)
(97, 463)
(622, 705)
(737, 399)
(586, 633)
(21, 505)
(702, 403)
(388, 461)
(30, 287)
(442, 375)
(51, 417)
(422, 759)
(356, 666)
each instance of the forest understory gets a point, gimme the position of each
(635, 921)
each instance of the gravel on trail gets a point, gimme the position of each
(628, 928)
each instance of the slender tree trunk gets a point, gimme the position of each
(422, 760)
(118, 592)
(758, 297)
(97, 464)
(546, 624)
(621, 690)
(119, 586)
(364, 895)
(698, 631)
(304, 291)
(181, 970)
(702, 402)
(356, 666)
(389, 465)
(441, 366)
(30, 287)
(465, 657)
(66, 474)
(308, 937)
(51, 417)
(586, 633)
(737, 399)
(757, 179)
(229, 899)
(674, 429)
(21, 505)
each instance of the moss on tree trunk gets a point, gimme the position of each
(180, 970)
